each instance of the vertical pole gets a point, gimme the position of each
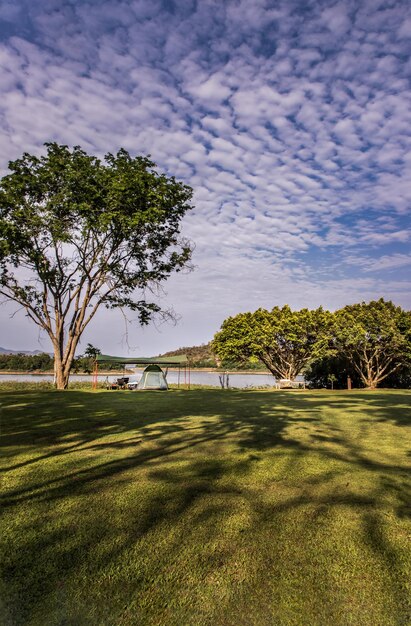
(189, 375)
(178, 384)
(95, 374)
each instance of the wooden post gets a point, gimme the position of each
(349, 382)
(95, 375)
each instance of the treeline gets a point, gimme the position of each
(26, 362)
(45, 363)
(368, 342)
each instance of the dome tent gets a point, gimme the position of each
(180, 361)
(153, 378)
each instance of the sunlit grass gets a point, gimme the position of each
(206, 507)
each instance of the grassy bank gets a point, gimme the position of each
(206, 507)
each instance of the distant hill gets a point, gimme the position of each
(199, 356)
(34, 352)
(202, 356)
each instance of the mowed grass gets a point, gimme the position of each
(206, 507)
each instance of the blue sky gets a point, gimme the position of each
(290, 119)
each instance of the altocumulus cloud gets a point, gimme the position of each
(290, 119)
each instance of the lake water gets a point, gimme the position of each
(240, 381)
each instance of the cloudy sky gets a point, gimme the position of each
(291, 119)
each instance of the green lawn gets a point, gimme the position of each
(206, 507)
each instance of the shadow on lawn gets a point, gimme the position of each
(254, 430)
(155, 434)
(256, 424)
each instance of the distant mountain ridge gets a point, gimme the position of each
(203, 356)
(199, 356)
(33, 352)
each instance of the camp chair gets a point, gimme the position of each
(122, 383)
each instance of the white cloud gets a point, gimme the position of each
(386, 262)
(405, 29)
(294, 131)
(336, 19)
(211, 90)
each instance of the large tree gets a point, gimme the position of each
(283, 340)
(375, 339)
(77, 232)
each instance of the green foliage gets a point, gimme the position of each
(26, 362)
(25, 386)
(45, 363)
(252, 365)
(44, 385)
(88, 233)
(318, 373)
(91, 352)
(374, 338)
(370, 343)
(282, 339)
(83, 364)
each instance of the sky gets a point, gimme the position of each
(290, 119)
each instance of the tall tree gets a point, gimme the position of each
(77, 233)
(375, 338)
(282, 339)
(91, 352)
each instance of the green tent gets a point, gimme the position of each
(153, 378)
(154, 374)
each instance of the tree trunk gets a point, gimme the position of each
(286, 373)
(60, 379)
(63, 357)
(61, 370)
(371, 381)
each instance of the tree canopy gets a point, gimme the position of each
(77, 233)
(374, 338)
(282, 339)
(370, 342)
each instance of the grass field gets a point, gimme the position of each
(206, 507)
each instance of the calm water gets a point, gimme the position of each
(196, 378)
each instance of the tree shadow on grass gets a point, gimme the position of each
(159, 437)
(198, 500)
(255, 422)
(252, 428)
(383, 405)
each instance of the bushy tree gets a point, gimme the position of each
(77, 233)
(318, 374)
(285, 341)
(375, 339)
